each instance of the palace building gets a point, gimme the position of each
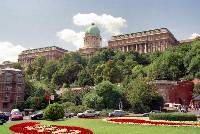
(144, 42)
(11, 88)
(50, 53)
(92, 41)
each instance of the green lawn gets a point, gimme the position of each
(100, 127)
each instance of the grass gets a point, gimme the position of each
(101, 127)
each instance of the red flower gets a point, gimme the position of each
(35, 128)
(150, 122)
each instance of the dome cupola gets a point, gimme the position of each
(93, 30)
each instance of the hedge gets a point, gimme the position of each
(173, 116)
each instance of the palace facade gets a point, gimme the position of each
(50, 53)
(144, 42)
(92, 41)
(11, 88)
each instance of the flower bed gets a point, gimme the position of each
(36, 128)
(149, 122)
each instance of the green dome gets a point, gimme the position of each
(92, 29)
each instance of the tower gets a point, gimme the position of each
(92, 41)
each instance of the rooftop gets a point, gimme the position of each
(43, 49)
(143, 33)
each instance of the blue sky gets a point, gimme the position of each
(38, 23)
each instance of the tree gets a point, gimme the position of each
(138, 70)
(84, 78)
(169, 66)
(67, 74)
(38, 65)
(111, 72)
(98, 73)
(143, 96)
(29, 88)
(54, 111)
(109, 93)
(194, 66)
(48, 70)
(196, 90)
(69, 96)
(104, 55)
(92, 100)
(72, 57)
(73, 96)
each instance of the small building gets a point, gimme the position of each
(11, 88)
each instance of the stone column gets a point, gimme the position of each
(136, 47)
(145, 48)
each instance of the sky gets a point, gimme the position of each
(26, 24)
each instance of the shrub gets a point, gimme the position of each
(77, 109)
(173, 117)
(54, 111)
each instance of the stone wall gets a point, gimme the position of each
(175, 91)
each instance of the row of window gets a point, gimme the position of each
(148, 38)
(7, 97)
(9, 88)
(141, 48)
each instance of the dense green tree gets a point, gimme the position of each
(138, 71)
(98, 73)
(54, 111)
(142, 96)
(38, 65)
(112, 73)
(169, 66)
(85, 78)
(196, 90)
(29, 70)
(110, 94)
(67, 74)
(92, 100)
(75, 97)
(69, 96)
(29, 88)
(72, 57)
(104, 55)
(48, 70)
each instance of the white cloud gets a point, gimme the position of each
(109, 23)
(70, 36)
(109, 26)
(194, 35)
(9, 51)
